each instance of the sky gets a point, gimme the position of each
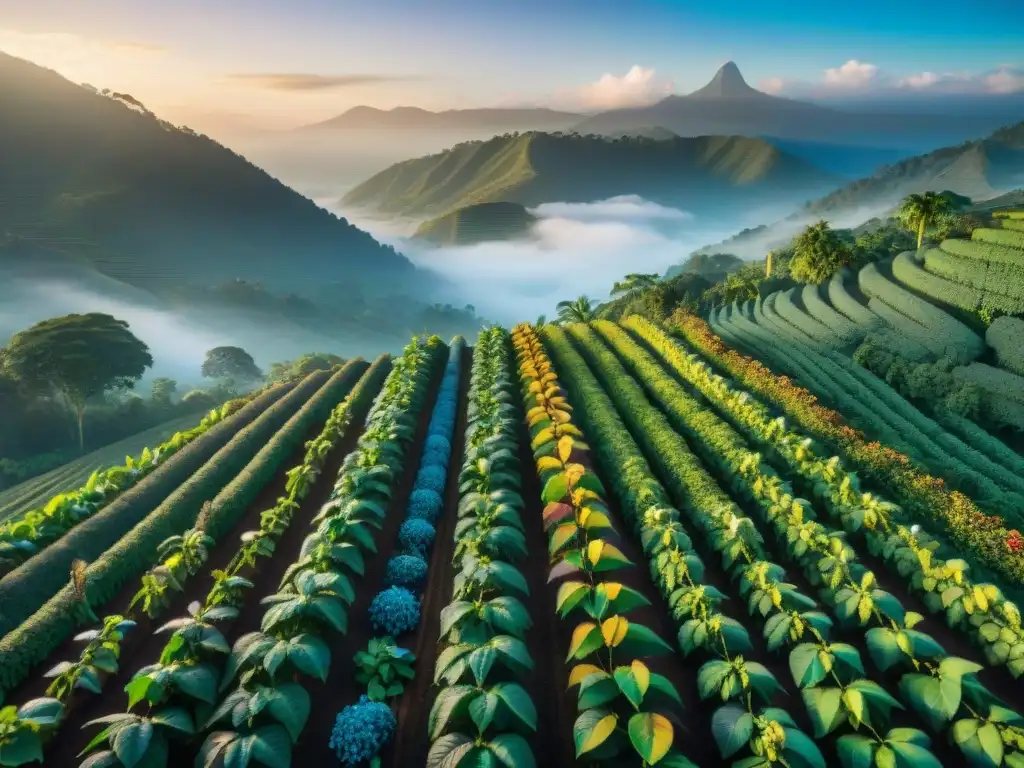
(271, 64)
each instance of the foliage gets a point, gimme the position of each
(78, 356)
(634, 283)
(579, 310)
(1004, 337)
(230, 363)
(919, 211)
(162, 390)
(713, 266)
(406, 571)
(818, 253)
(395, 611)
(740, 285)
(99, 657)
(23, 730)
(361, 730)
(416, 535)
(303, 365)
(383, 667)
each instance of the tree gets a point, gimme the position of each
(578, 311)
(78, 357)
(305, 364)
(740, 285)
(918, 212)
(634, 284)
(162, 389)
(230, 363)
(818, 253)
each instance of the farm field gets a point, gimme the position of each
(562, 545)
(38, 490)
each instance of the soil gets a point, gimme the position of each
(341, 689)
(410, 743)
(141, 646)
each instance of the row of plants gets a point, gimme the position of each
(841, 298)
(625, 710)
(846, 331)
(482, 714)
(138, 533)
(830, 564)
(182, 555)
(1004, 337)
(815, 331)
(824, 671)
(910, 273)
(260, 706)
(23, 536)
(361, 730)
(1007, 237)
(968, 283)
(921, 496)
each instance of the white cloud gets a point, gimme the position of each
(55, 48)
(852, 74)
(640, 86)
(772, 85)
(622, 207)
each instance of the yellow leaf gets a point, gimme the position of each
(611, 589)
(582, 671)
(545, 463)
(651, 735)
(565, 448)
(599, 735)
(559, 417)
(542, 437)
(574, 472)
(594, 550)
(579, 495)
(642, 675)
(580, 635)
(614, 630)
(535, 387)
(592, 519)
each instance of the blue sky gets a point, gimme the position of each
(180, 56)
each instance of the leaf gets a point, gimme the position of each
(555, 489)
(272, 747)
(732, 727)
(614, 631)
(518, 702)
(825, 707)
(569, 595)
(806, 666)
(592, 729)
(131, 742)
(651, 735)
(512, 751)
(448, 751)
(586, 638)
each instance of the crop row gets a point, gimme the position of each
(1004, 336)
(1003, 391)
(482, 713)
(979, 250)
(908, 272)
(849, 589)
(816, 331)
(846, 331)
(1008, 237)
(948, 335)
(138, 522)
(625, 709)
(31, 532)
(266, 709)
(847, 305)
(997, 285)
(944, 585)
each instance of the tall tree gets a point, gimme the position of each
(577, 311)
(162, 390)
(77, 357)
(635, 283)
(230, 363)
(818, 253)
(918, 212)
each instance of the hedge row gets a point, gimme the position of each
(26, 588)
(908, 272)
(1007, 237)
(1004, 391)
(979, 250)
(846, 304)
(948, 336)
(844, 329)
(788, 308)
(45, 598)
(919, 494)
(1006, 337)
(997, 286)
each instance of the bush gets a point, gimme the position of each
(416, 536)
(406, 570)
(394, 611)
(1006, 337)
(361, 731)
(424, 505)
(437, 451)
(431, 478)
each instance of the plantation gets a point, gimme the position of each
(591, 544)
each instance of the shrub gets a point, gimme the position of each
(406, 570)
(424, 505)
(1005, 336)
(436, 452)
(361, 730)
(416, 536)
(431, 478)
(394, 611)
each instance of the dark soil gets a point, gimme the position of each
(411, 744)
(141, 646)
(341, 689)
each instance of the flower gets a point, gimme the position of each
(360, 731)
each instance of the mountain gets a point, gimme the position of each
(477, 224)
(472, 120)
(728, 105)
(97, 177)
(705, 175)
(649, 132)
(981, 170)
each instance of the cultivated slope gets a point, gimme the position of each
(478, 223)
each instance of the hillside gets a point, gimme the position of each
(702, 175)
(478, 223)
(983, 170)
(472, 120)
(99, 178)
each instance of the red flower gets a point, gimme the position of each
(1015, 541)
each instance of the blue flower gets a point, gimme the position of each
(416, 536)
(432, 479)
(424, 505)
(394, 611)
(361, 730)
(406, 570)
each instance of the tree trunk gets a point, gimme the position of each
(920, 231)
(80, 413)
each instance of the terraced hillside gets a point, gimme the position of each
(568, 545)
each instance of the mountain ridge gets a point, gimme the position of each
(362, 118)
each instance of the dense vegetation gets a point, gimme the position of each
(477, 224)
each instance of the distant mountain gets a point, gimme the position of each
(472, 120)
(706, 175)
(479, 223)
(96, 176)
(982, 170)
(655, 132)
(728, 105)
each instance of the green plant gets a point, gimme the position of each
(23, 730)
(99, 657)
(382, 667)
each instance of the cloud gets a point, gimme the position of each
(308, 82)
(41, 46)
(639, 87)
(864, 78)
(622, 207)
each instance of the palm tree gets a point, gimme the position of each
(920, 211)
(818, 253)
(577, 311)
(635, 283)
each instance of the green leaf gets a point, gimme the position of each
(290, 706)
(732, 727)
(555, 489)
(651, 735)
(518, 702)
(825, 707)
(451, 703)
(800, 751)
(512, 751)
(592, 729)
(131, 742)
(806, 666)
(855, 751)
(272, 747)
(449, 751)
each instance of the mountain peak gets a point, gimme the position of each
(728, 83)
